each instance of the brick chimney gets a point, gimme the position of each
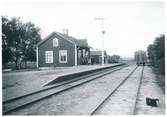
(65, 31)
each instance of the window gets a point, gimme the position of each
(55, 42)
(48, 56)
(63, 56)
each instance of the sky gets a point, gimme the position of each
(129, 26)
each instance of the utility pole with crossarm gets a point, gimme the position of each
(103, 32)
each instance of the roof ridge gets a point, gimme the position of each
(78, 42)
(66, 35)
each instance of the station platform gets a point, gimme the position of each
(20, 83)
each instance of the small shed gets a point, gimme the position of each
(96, 56)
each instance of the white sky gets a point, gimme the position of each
(129, 26)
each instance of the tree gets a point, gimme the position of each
(151, 53)
(9, 39)
(6, 52)
(159, 47)
(31, 37)
(19, 40)
(156, 53)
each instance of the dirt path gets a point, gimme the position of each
(150, 88)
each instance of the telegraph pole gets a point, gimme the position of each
(103, 32)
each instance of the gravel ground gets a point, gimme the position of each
(19, 83)
(81, 100)
(150, 88)
(122, 102)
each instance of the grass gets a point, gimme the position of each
(160, 78)
(11, 67)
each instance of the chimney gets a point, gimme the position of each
(65, 31)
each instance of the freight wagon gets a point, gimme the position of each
(140, 57)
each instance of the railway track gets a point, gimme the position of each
(22, 101)
(134, 109)
(98, 107)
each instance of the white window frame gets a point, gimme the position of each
(62, 52)
(55, 42)
(48, 56)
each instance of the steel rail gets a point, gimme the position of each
(57, 85)
(138, 91)
(123, 81)
(82, 80)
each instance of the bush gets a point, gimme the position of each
(156, 53)
(161, 65)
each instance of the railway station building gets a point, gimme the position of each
(59, 49)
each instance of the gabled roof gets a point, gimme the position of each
(77, 42)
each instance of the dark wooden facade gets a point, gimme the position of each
(59, 49)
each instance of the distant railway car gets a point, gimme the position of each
(140, 57)
(114, 59)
